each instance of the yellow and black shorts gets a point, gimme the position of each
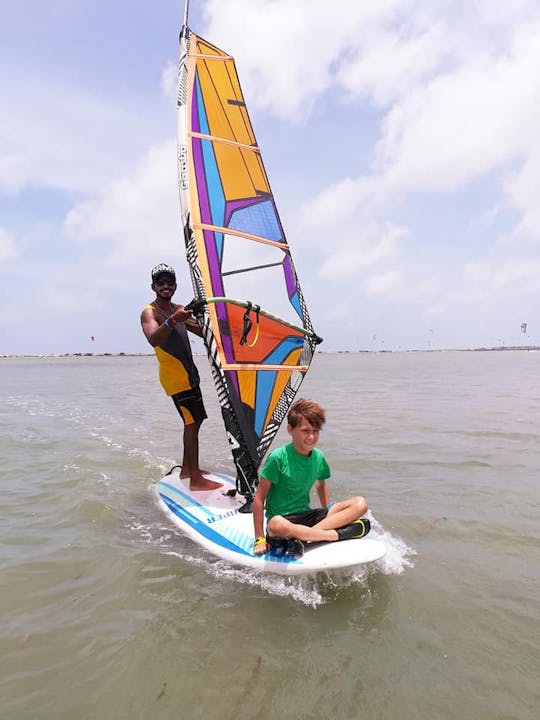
(189, 404)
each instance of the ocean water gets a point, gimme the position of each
(108, 611)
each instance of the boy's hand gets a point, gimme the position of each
(259, 546)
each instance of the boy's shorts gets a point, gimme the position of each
(309, 517)
(189, 404)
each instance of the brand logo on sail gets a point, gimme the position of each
(183, 167)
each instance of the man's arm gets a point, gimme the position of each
(322, 491)
(258, 514)
(156, 333)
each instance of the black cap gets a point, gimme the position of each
(162, 269)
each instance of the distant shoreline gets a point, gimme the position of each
(504, 348)
(75, 355)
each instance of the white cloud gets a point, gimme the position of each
(134, 218)
(488, 280)
(13, 171)
(288, 59)
(116, 236)
(489, 291)
(8, 248)
(384, 283)
(458, 81)
(465, 123)
(363, 249)
(343, 223)
(522, 194)
(169, 81)
(387, 66)
(63, 138)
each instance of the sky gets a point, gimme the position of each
(400, 139)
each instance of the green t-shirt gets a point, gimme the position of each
(292, 476)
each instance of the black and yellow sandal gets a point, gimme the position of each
(357, 529)
(277, 545)
(295, 548)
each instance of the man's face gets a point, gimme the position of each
(164, 285)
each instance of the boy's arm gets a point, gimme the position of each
(322, 491)
(258, 514)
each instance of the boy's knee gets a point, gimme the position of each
(276, 525)
(360, 505)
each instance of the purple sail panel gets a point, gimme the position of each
(233, 379)
(234, 205)
(213, 263)
(290, 279)
(198, 164)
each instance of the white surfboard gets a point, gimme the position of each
(212, 520)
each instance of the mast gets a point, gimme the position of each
(186, 11)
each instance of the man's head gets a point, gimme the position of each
(162, 273)
(163, 276)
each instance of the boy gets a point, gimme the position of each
(286, 480)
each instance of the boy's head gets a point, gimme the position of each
(308, 410)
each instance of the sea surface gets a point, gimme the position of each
(109, 612)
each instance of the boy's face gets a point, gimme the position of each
(304, 437)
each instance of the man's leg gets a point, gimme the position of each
(190, 461)
(191, 408)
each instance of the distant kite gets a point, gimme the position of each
(92, 338)
(523, 327)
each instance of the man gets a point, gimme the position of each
(165, 326)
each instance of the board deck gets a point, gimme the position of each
(212, 520)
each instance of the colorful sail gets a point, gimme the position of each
(256, 326)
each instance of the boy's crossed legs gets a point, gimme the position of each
(338, 516)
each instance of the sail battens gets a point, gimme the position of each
(201, 56)
(280, 368)
(249, 269)
(238, 233)
(225, 141)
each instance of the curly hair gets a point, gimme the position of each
(308, 409)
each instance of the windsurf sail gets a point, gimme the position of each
(255, 323)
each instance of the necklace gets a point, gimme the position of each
(162, 311)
